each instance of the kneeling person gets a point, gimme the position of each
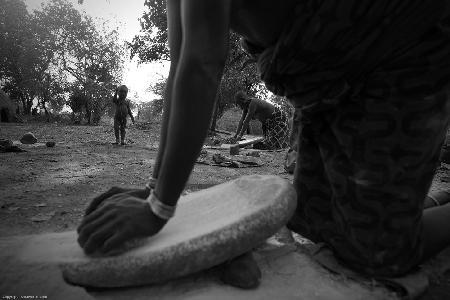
(275, 122)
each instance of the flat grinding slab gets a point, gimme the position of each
(286, 274)
(210, 226)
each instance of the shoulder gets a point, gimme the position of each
(254, 104)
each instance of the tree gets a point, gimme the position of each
(154, 109)
(239, 74)
(54, 51)
(50, 92)
(23, 56)
(151, 45)
(90, 57)
(78, 101)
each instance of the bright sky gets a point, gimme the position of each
(126, 13)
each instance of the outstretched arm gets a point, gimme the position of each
(115, 99)
(248, 118)
(204, 48)
(129, 112)
(241, 121)
(174, 27)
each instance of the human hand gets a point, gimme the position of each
(138, 193)
(236, 139)
(115, 222)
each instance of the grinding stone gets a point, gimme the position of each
(210, 226)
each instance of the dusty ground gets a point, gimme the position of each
(47, 189)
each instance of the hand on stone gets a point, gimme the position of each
(138, 193)
(115, 222)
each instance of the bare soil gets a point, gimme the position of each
(47, 189)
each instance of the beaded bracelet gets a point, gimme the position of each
(160, 209)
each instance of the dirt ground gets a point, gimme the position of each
(47, 189)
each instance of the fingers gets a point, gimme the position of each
(100, 198)
(95, 242)
(111, 192)
(114, 241)
(91, 223)
(121, 218)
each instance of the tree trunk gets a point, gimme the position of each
(24, 104)
(47, 114)
(88, 113)
(29, 106)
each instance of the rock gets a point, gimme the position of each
(28, 138)
(210, 227)
(218, 158)
(253, 153)
(50, 144)
(234, 149)
(12, 148)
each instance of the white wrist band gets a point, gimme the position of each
(160, 209)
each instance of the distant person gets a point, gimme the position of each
(122, 109)
(274, 120)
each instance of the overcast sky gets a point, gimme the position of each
(126, 14)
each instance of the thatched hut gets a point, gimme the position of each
(7, 108)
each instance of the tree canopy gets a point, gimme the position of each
(55, 52)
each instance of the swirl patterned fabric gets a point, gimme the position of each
(372, 81)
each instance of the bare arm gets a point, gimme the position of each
(174, 26)
(129, 112)
(248, 118)
(204, 46)
(241, 121)
(115, 99)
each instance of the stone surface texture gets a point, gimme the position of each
(287, 273)
(210, 226)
